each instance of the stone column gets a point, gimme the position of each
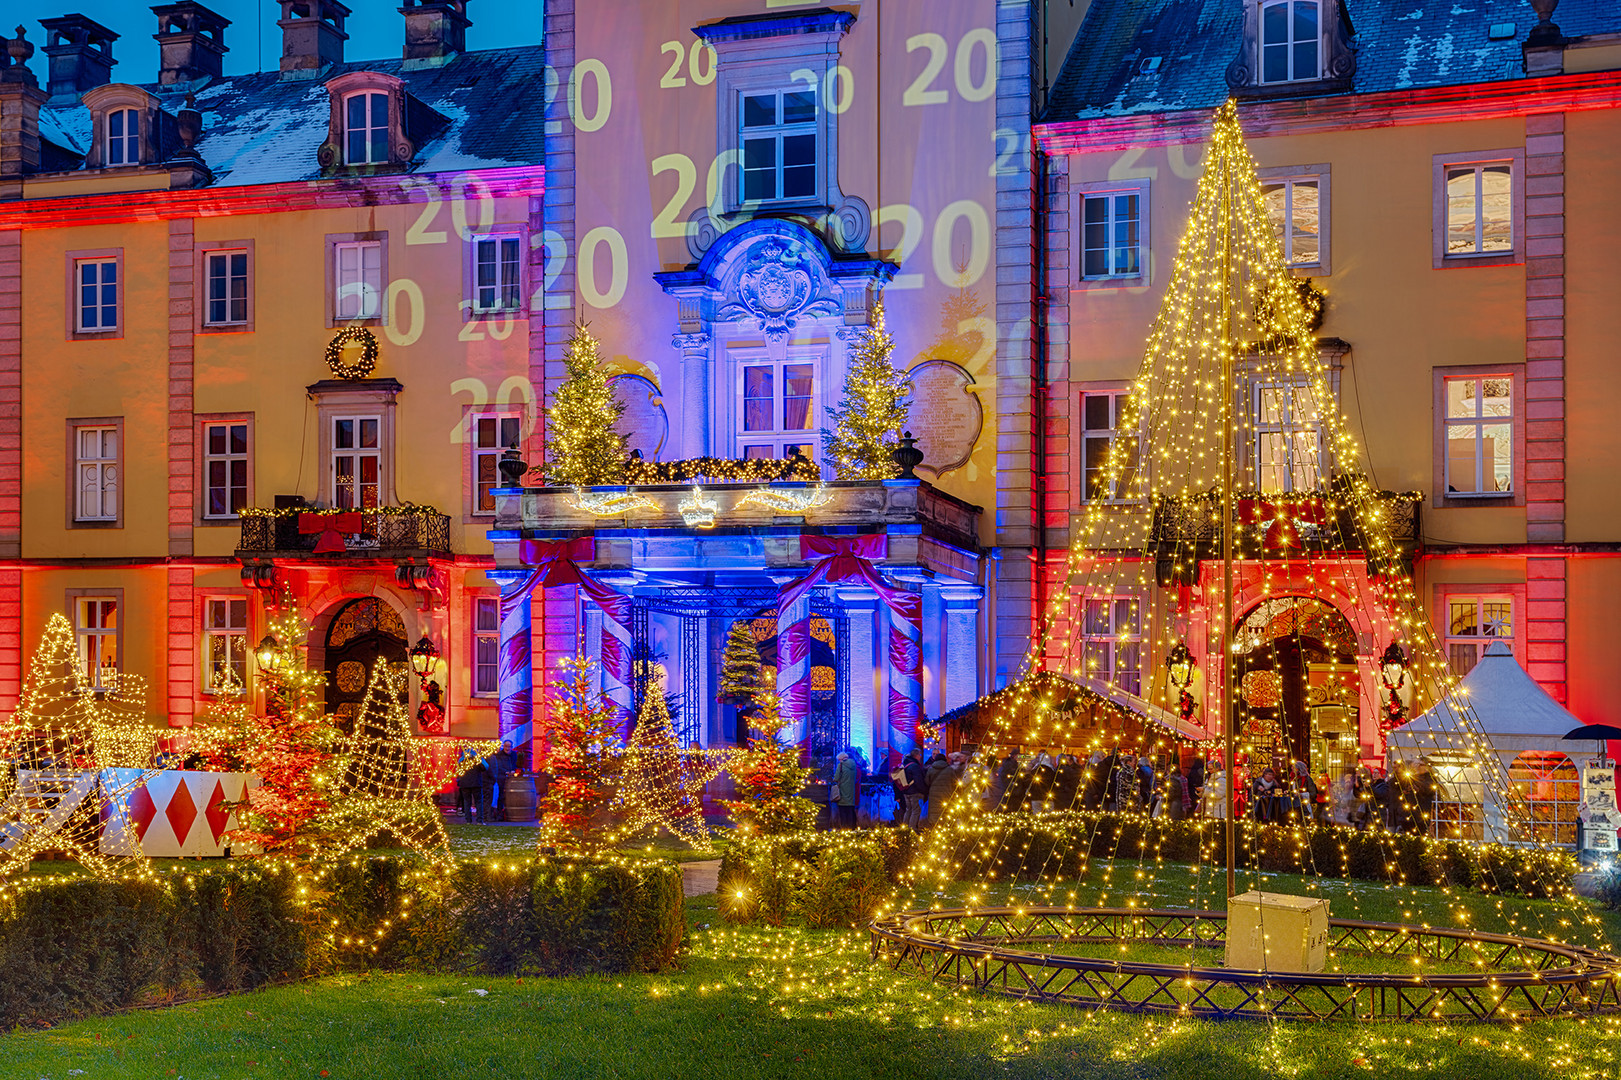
(515, 672)
(866, 718)
(180, 675)
(959, 664)
(696, 420)
(793, 667)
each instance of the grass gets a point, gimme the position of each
(754, 1002)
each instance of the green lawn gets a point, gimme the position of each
(755, 1002)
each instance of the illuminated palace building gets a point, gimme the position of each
(290, 337)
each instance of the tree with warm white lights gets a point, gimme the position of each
(739, 666)
(770, 778)
(656, 790)
(583, 447)
(867, 423)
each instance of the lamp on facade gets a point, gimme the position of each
(1179, 664)
(424, 654)
(268, 654)
(1393, 673)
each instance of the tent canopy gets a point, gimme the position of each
(1505, 701)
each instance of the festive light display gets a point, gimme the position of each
(699, 510)
(583, 446)
(63, 734)
(867, 422)
(1236, 510)
(786, 500)
(584, 749)
(660, 786)
(341, 342)
(402, 510)
(722, 470)
(739, 666)
(610, 503)
(769, 776)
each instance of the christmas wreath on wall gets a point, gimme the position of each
(339, 344)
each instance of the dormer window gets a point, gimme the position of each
(366, 128)
(1291, 41)
(123, 137)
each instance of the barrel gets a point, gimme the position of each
(518, 793)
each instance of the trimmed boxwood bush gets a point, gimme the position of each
(823, 879)
(78, 947)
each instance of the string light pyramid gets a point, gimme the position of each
(1234, 530)
(62, 744)
(661, 787)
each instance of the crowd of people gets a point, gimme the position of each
(481, 783)
(1123, 782)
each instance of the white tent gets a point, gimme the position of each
(1497, 711)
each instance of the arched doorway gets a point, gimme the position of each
(362, 633)
(1298, 685)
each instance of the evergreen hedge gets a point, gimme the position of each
(79, 947)
(840, 878)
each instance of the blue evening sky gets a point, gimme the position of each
(376, 30)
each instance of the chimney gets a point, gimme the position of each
(20, 99)
(312, 36)
(435, 30)
(191, 42)
(81, 52)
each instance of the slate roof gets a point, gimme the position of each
(262, 129)
(1400, 44)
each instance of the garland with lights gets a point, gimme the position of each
(403, 510)
(789, 501)
(363, 365)
(722, 470)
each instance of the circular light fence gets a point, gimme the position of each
(1502, 978)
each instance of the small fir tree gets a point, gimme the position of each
(582, 730)
(868, 421)
(583, 447)
(656, 788)
(739, 666)
(769, 778)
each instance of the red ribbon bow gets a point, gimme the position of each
(554, 560)
(331, 527)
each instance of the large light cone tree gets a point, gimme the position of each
(1243, 469)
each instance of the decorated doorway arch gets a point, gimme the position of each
(1298, 683)
(363, 633)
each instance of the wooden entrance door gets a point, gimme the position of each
(365, 632)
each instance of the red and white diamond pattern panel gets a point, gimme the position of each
(173, 813)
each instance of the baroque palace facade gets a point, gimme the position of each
(722, 191)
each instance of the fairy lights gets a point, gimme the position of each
(786, 500)
(610, 503)
(698, 510)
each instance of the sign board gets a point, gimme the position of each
(1599, 814)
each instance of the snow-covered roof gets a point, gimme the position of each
(1500, 699)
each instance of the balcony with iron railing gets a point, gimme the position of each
(295, 530)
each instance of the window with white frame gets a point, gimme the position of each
(1112, 234)
(357, 279)
(1102, 415)
(225, 643)
(357, 462)
(123, 137)
(491, 436)
(497, 273)
(776, 408)
(1111, 632)
(96, 295)
(777, 137)
(1295, 206)
(1473, 622)
(1291, 41)
(227, 274)
(1479, 436)
(96, 631)
(1479, 209)
(365, 128)
(486, 646)
(96, 472)
(1288, 436)
(225, 469)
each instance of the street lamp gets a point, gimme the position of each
(268, 654)
(424, 654)
(1179, 664)
(1393, 673)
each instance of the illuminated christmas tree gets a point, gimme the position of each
(660, 787)
(582, 733)
(583, 447)
(739, 666)
(867, 422)
(769, 776)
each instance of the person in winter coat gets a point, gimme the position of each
(502, 764)
(940, 780)
(1145, 781)
(1067, 783)
(470, 786)
(1215, 794)
(1342, 800)
(1096, 781)
(915, 790)
(1042, 774)
(1001, 779)
(1195, 781)
(846, 777)
(1263, 793)
(1175, 796)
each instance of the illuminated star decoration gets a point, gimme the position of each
(698, 510)
(661, 786)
